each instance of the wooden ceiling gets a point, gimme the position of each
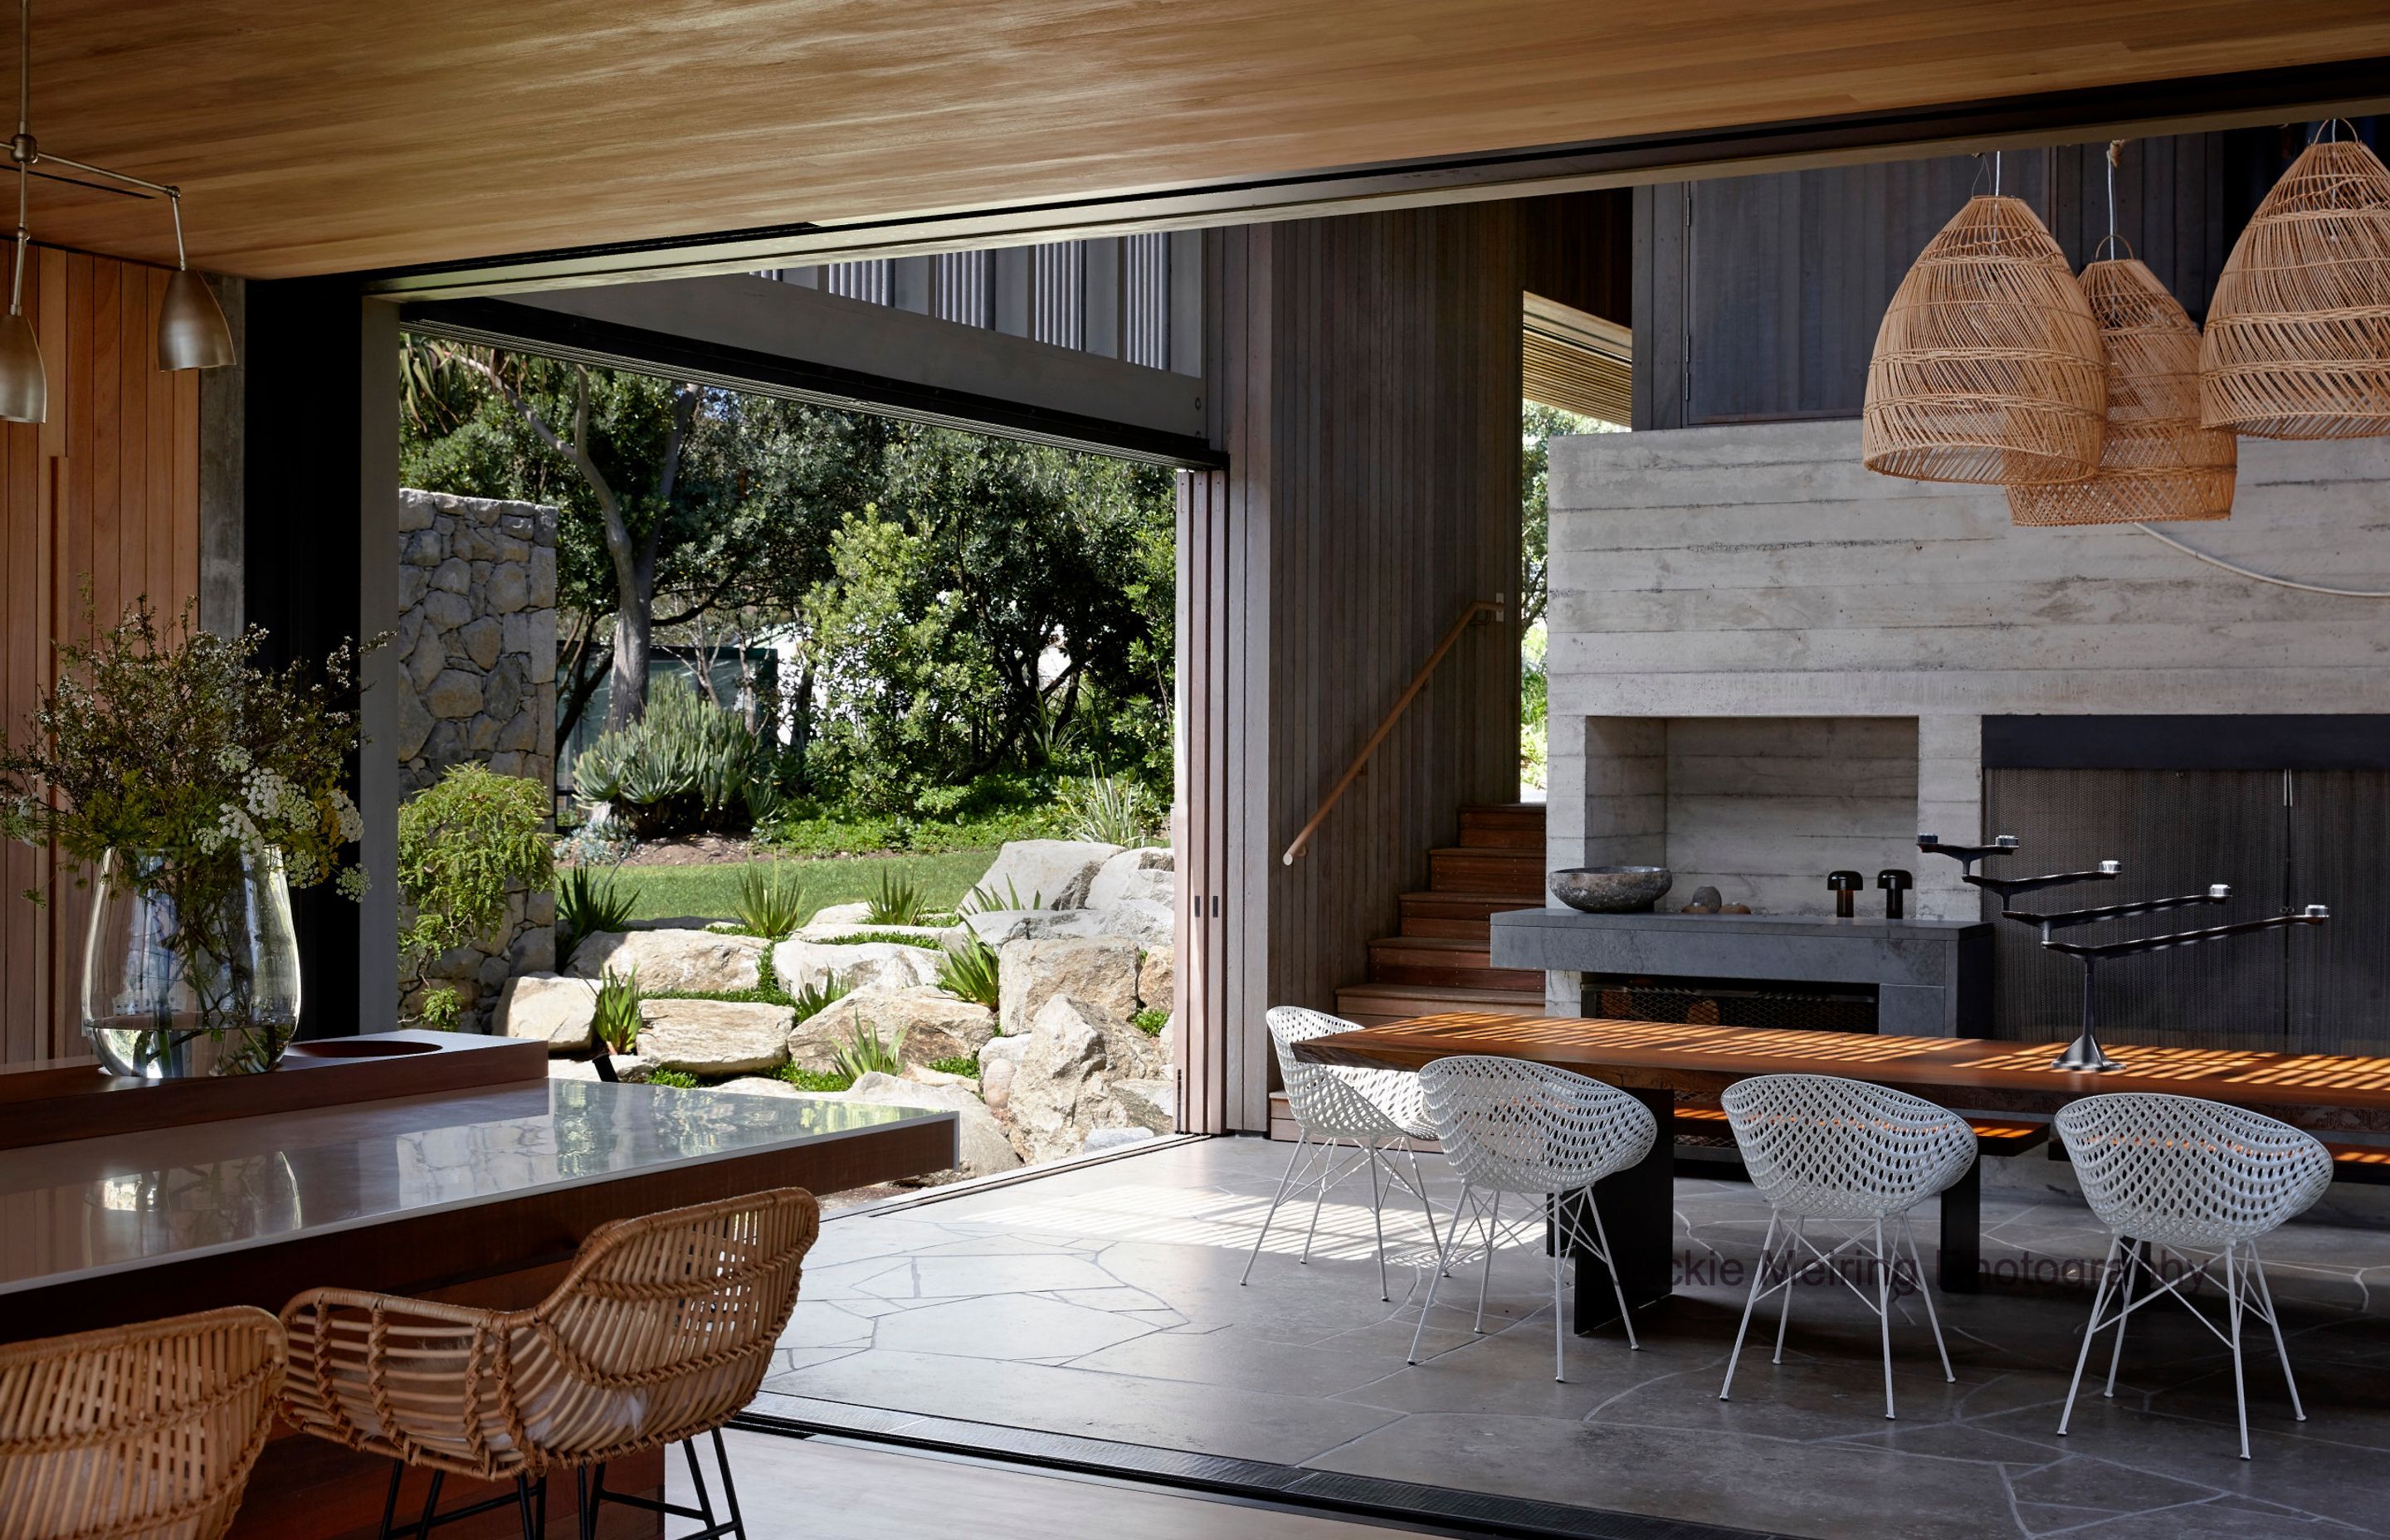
(329, 136)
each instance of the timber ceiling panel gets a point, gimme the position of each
(327, 136)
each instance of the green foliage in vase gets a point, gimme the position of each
(968, 971)
(770, 899)
(1111, 810)
(899, 901)
(684, 767)
(615, 1023)
(465, 845)
(588, 901)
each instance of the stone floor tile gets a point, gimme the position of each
(1005, 1326)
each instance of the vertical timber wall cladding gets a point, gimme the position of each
(1364, 382)
(107, 491)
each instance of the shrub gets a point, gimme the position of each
(683, 767)
(615, 1023)
(588, 901)
(968, 972)
(984, 900)
(814, 1080)
(814, 999)
(679, 1080)
(870, 1053)
(1151, 1021)
(899, 901)
(961, 1064)
(771, 902)
(1111, 810)
(870, 938)
(465, 843)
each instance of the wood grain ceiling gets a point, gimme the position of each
(327, 136)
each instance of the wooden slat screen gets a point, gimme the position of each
(106, 491)
(1576, 362)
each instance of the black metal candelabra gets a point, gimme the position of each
(2084, 1053)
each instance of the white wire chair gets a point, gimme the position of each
(1371, 1113)
(2168, 1172)
(1842, 1151)
(1508, 1126)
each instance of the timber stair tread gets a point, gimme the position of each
(1457, 917)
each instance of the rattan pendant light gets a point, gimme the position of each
(2157, 464)
(2298, 336)
(1988, 367)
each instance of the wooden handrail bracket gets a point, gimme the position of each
(1492, 607)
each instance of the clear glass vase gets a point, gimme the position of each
(190, 969)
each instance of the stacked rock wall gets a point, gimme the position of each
(476, 645)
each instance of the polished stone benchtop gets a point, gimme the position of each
(93, 1207)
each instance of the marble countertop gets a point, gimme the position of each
(1874, 927)
(93, 1207)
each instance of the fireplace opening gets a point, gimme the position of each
(1784, 1004)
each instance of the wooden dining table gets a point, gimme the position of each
(2326, 1094)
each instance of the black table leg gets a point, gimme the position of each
(1958, 1270)
(1638, 1213)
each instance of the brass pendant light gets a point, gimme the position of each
(2157, 464)
(191, 329)
(2298, 336)
(1988, 367)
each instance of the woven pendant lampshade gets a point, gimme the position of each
(1988, 366)
(2298, 336)
(2157, 463)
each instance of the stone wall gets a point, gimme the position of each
(476, 648)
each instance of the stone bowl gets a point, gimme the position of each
(1611, 889)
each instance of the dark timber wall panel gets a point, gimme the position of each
(1758, 298)
(1365, 388)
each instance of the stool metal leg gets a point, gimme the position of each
(389, 1502)
(1794, 1265)
(1451, 1238)
(2091, 1329)
(1378, 1218)
(2136, 1259)
(1486, 1274)
(1884, 1313)
(1294, 1157)
(2240, 1388)
(1758, 1276)
(729, 1487)
(2266, 1292)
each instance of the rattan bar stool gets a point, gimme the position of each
(2168, 1172)
(1532, 1131)
(1346, 1119)
(139, 1433)
(1842, 1151)
(661, 1330)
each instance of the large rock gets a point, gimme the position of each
(941, 936)
(979, 1137)
(1157, 978)
(1148, 873)
(801, 965)
(845, 916)
(1097, 972)
(999, 1064)
(936, 1026)
(1065, 1088)
(1140, 921)
(713, 1037)
(1046, 873)
(628, 1068)
(1150, 1103)
(696, 962)
(544, 1006)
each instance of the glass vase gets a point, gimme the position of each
(190, 968)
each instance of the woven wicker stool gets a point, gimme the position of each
(141, 1432)
(661, 1330)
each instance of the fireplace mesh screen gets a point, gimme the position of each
(1732, 1003)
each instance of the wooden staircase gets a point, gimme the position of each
(1440, 960)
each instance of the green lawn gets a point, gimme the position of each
(712, 892)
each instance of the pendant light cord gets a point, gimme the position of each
(2195, 553)
(24, 167)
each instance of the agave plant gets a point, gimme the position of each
(686, 764)
(870, 1053)
(1111, 810)
(588, 901)
(811, 1000)
(770, 899)
(968, 971)
(899, 901)
(615, 1023)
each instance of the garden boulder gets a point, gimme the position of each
(1146, 874)
(1047, 874)
(1157, 978)
(697, 962)
(713, 1037)
(1064, 1087)
(802, 965)
(979, 1138)
(1099, 972)
(941, 936)
(544, 1007)
(999, 1063)
(1140, 921)
(936, 1026)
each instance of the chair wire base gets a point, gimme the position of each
(2129, 1263)
(1867, 1246)
(1482, 1207)
(591, 1488)
(1320, 1162)
(529, 1499)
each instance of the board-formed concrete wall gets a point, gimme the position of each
(1760, 571)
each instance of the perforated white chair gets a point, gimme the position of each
(1346, 1119)
(2177, 1173)
(1842, 1151)
(1539, 1133)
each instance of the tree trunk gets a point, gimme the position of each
(626, 686)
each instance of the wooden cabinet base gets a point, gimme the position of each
(306, 1489)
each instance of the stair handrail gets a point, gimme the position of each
(1419, 682)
